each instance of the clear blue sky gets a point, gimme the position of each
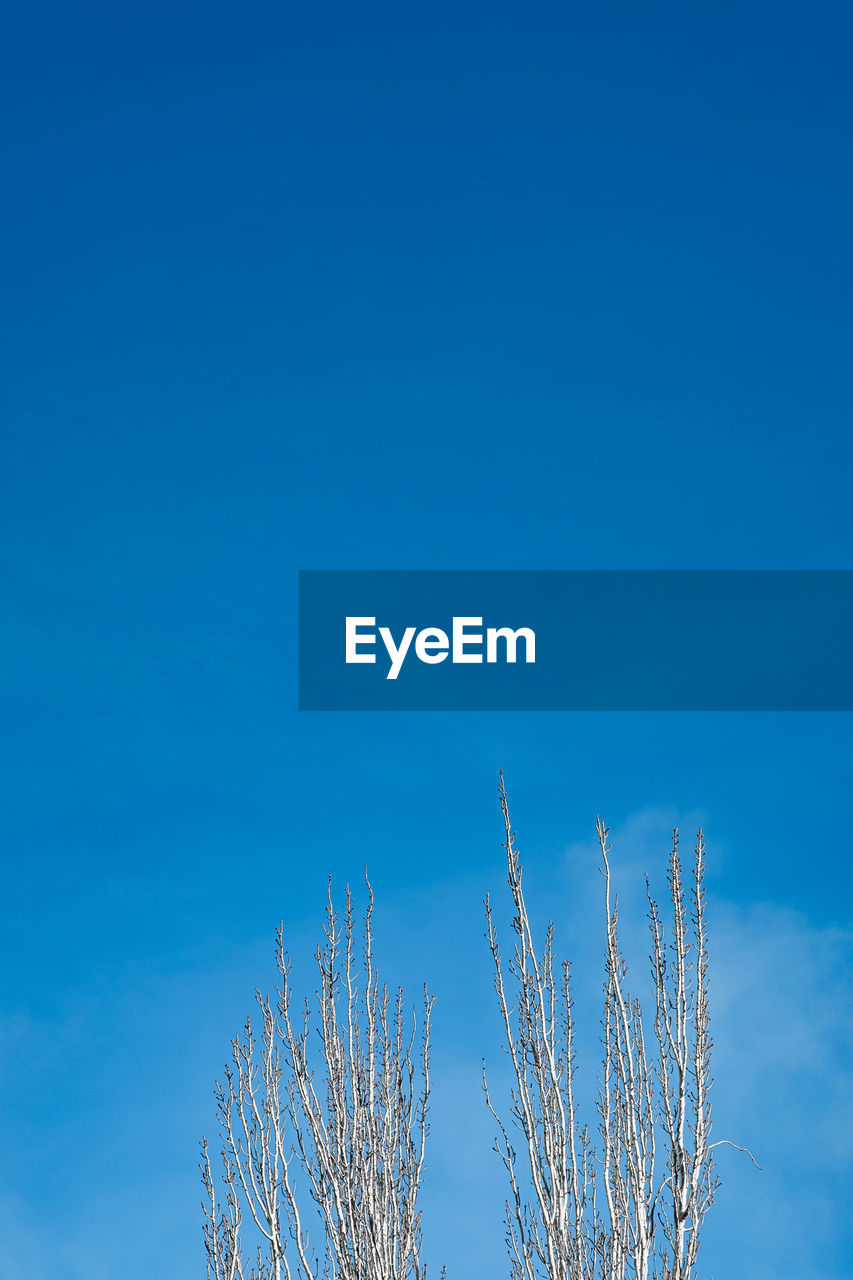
(429, 286)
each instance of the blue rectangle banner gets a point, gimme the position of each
(576, 640)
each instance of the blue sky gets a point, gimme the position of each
(325, 286)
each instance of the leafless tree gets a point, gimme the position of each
(629, 1202)
(349, 1135)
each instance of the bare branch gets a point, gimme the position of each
(575, 1213)
(348, 1134)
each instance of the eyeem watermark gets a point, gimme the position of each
(465, 643)
(575, 640)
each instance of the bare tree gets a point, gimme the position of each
(349, 1135)
(608, 1208)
